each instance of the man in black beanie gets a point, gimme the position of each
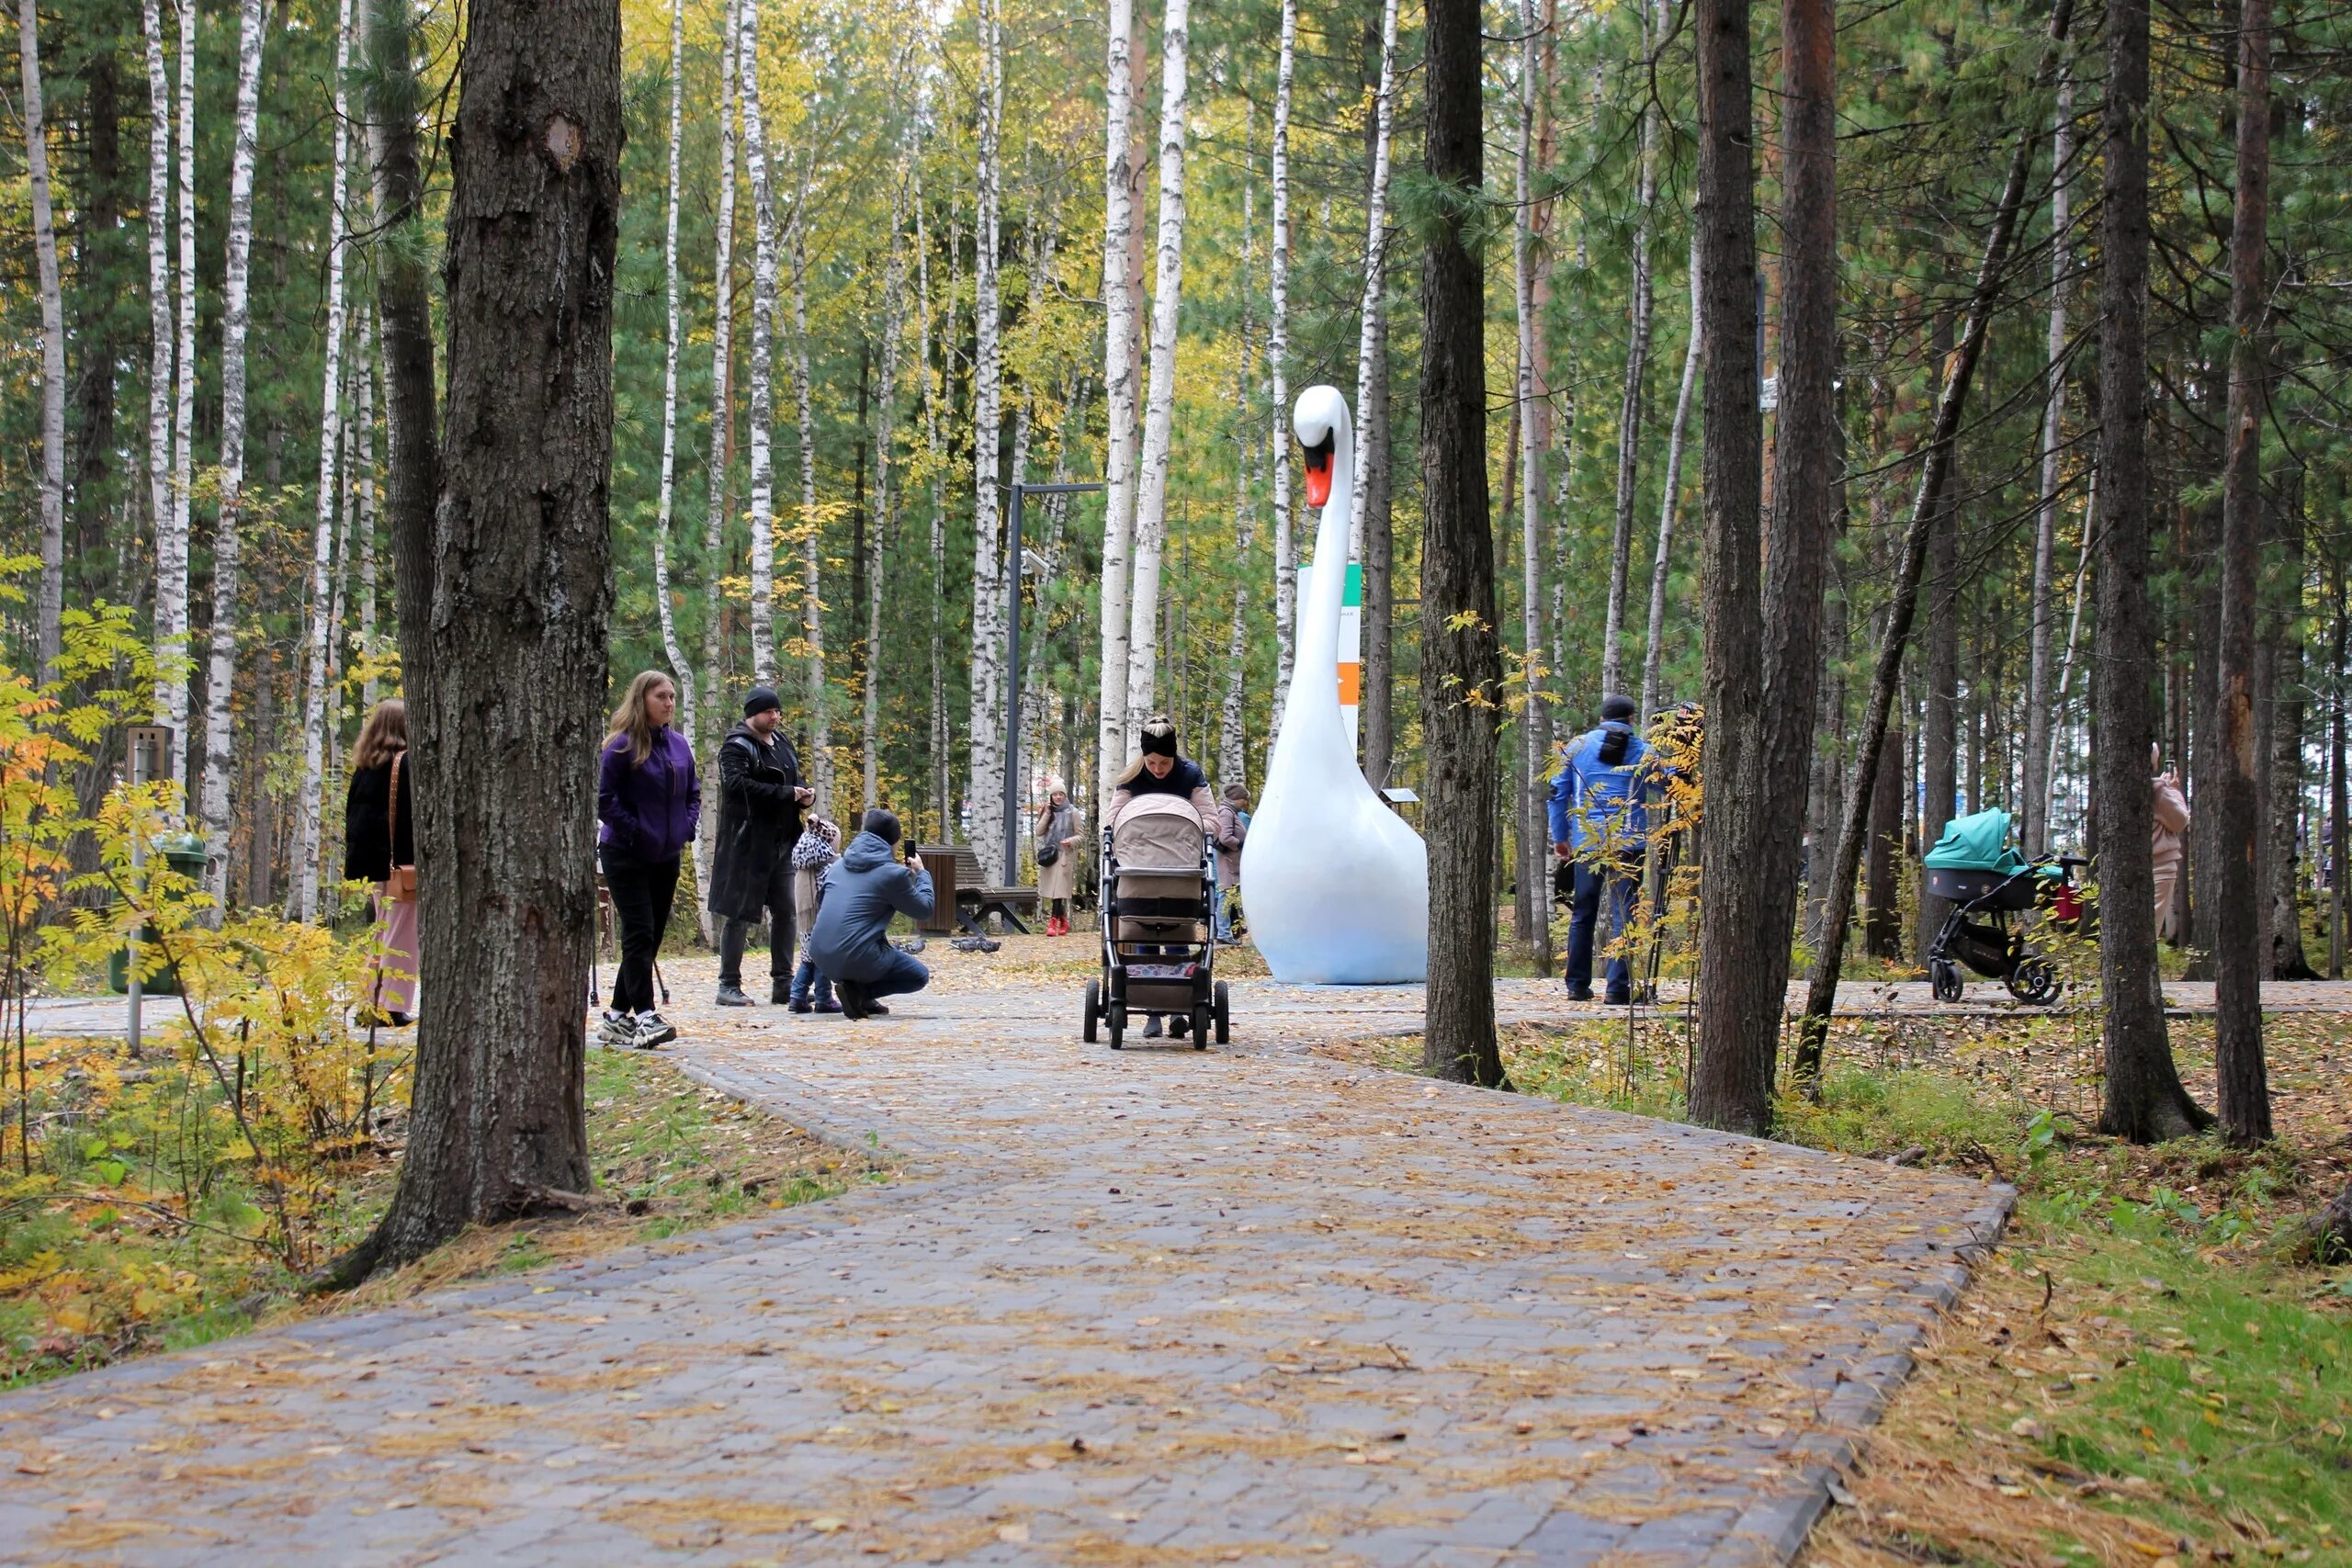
(760, 797)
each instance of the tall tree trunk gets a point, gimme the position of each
(811, 530)
(989, 783)
(184, 397)
(1883, 924)
(171, 536)
(1939, 733)
(1535, 828)
(935, 462)
(1278, 365)
(2039, 708)
(1461, 657)
(681, 667)
(761, 158)
(1373, 543)
(302, 902)
(50, 604)
(1872, 746)
(1121, 395)
(894, 284)
(1159, 403)
(2283, 957)
(1654, 645)
(720, 457)
(520, 611)
(99, 551)
(1232, 760)
(2144, 1100)
(221, 682)
(1629, 405)
(2339, 796)
(363, 496)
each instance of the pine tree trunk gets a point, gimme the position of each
(2339, 798)
(50, 595)
(302, 902)
(2039, 708)
(1460, 653)
(1160, 405)
(1120, 394)
(1883, 923)
(681, 668)
(820, 755)
(1629, 406)
(1654, 645)
(2144, 1100)
(519, 615)
(2284, 958)
(235, 318)
(1940, 735)
(171, 539)
(1278, 366)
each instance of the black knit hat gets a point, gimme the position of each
(1616, 706)
(759, 700)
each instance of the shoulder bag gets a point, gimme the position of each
(400, 886)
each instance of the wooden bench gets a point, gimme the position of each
(960, 898)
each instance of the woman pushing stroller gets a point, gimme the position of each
(1160, 768)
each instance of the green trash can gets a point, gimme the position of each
(186, 854)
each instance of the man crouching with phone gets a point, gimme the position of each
(857, 897)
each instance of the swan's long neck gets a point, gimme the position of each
(1319, 626)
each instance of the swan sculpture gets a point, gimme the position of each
(1338, 886)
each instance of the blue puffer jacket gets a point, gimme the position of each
(859, 893)
(1594, 802)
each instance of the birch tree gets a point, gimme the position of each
(1232, 763)
(363, 493)
(894, 283)
(184, 392)
(1369, 314)
(1638, 358)
(988, 780)
(50, 611)
(812, 606)
(1535, 829)
(720, 457)
(1278, 366)
(302, 897)
(936, 465)
(764, 307)
(2038, 705)
(1159, 407)
(671, 647)
(1653, 645)
(227, 544)
(1119, 392)
(171, 541)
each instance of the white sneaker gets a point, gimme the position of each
(652, 1032)
(617, 1031)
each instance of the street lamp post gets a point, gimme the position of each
(1013, 662)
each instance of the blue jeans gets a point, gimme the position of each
(1221, 922)
(808, 977)
(902, 973)
(1584, 912)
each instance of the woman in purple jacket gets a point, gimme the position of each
(649, 801)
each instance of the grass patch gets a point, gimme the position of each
(94, 1270)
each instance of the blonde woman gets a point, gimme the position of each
(380, 839)
(649, 804)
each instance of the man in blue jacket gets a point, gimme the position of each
(856, 896)
(1600, 811)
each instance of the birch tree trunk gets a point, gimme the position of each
(1629, 407)
(50, 608)
(672, 650)
(364, 501)
(1534, 832)
(184, 399)
(1376, 234)
(1119, 392)
(764, 307)
(1374, 486)
(935, 464)
(1278, 367)
(812, 603)
(171, 541)
(720, 457)
(894, 283)
(1231, 760)
(302, 897)
(235, 317)
(987, 782)
(2038, 704)
(1168, 285)
(1653, 647)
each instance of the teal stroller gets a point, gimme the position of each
(1990, 885)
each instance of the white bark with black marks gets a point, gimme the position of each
(1160, 405)
(988, 782)
(170, 524)
(49, 608)
(758, 154)
(1120, 393)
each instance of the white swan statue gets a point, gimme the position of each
(1337, 885)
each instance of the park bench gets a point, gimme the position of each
(960, 898)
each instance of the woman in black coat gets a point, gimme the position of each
(378, 839)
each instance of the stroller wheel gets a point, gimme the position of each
(1119, 1021)
(1943, 980)
(1204, 1019)
(1094, 1008)
(1224, 1013)
(2034, 981)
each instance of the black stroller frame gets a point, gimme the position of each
(1172, 968)
(1979, 931)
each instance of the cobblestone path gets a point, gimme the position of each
(1159, 1306)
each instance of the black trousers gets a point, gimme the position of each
(642, 892)
(783, 943)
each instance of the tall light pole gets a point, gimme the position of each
(1012, 661)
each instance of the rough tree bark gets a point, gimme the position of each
(1461, 657)
(1121, 395)
(2144, 1100)
(2043, 608)
(1159, 403)
(1278, 364)
(221, 679)
(49, 608)
(520, 603)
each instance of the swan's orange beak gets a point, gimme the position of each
(1319, 473)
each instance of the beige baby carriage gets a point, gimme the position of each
(1159, 937)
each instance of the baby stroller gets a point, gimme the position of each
(1988, 881)
(1158, 939)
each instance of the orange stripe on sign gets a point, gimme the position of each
(1351, 685)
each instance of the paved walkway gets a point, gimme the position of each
(1158, 1306)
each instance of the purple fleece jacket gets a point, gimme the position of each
(649, 810)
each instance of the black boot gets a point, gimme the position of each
(731, 996)
(780, 992)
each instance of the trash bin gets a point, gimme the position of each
(186, 854)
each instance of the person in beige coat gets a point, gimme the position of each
(2172, 822)
(1057, 883)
